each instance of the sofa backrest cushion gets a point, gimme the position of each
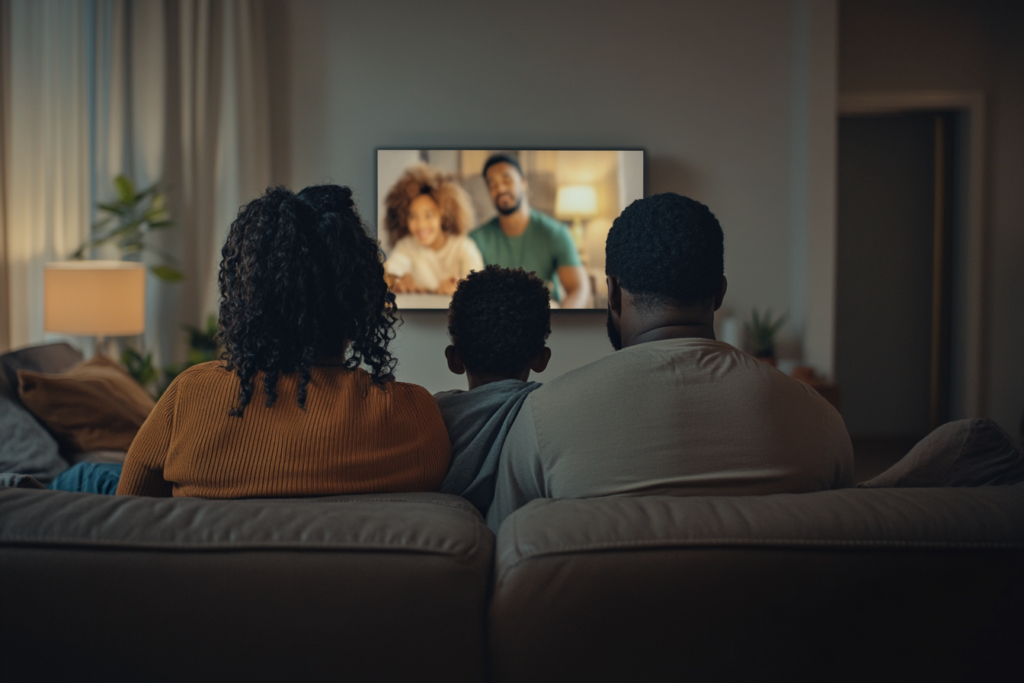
(375, 587)
(48, 358)
(26, 448)
(918, 583)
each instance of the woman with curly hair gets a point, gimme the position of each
(303, 402)
(428, 216)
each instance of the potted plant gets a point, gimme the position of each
(128, 221)
(762, 330)
(203, 346)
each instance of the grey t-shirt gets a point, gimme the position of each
(677, 417)
(478, 422)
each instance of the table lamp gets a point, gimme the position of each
(95, 298)
(576, 202)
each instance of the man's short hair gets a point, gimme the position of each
(498, 320)
(502, 159)
(667, 249)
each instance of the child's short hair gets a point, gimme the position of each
(498, 320)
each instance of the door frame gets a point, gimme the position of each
(971, 102)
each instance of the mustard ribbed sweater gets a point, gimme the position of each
(352, 437)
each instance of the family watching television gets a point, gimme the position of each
(304, 402)
(445, 213)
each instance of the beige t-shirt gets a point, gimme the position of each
(678, 417)
(429, 267)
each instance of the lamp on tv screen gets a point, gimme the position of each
(445, 213)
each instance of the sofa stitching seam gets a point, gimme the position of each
(772, 542)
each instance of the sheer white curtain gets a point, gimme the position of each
(219, 146)
(161, 90)
(46, 165)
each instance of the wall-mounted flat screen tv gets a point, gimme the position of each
(443, 213)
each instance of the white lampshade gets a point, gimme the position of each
(95, 298)
(576, 201)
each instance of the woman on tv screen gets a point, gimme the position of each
(428, 216)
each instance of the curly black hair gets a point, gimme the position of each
(667, 249)
(498, 320)
(301, 283)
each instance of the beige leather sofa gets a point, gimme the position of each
(898, 584)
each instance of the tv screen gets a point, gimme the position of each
(444, 213)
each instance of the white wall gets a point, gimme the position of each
(726, 98)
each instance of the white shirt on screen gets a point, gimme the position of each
(429, 267)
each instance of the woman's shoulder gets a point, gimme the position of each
(404, 392)
(214, 371)
(402, 401)
(213, 368)
(362, 381)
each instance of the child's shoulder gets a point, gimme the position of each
(492, 393)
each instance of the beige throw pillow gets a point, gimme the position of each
(94, 406)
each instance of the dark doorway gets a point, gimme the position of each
(893, 290)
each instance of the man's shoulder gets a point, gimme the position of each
(547, 224)
(486, 229)
(662, 363)
(590, 377)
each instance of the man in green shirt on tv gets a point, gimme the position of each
(520, 237)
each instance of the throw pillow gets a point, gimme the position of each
(962, 453)
(26, 448)
(94, 406)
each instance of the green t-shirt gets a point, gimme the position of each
(543, 248)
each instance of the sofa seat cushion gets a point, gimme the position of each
(375, 587)
(919, 584)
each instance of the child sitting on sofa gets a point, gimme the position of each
(498, 321)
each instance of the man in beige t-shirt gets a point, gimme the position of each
(672, 411)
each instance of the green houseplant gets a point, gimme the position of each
(203, 346)
(762, 330)
(127, 222)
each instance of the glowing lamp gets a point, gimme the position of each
(576, 201)
(95, 298)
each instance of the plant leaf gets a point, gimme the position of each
(125, 189)
(116, 208)
(151, 190)
(167, 273)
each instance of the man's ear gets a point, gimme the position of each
(540, 363)
(454, 362)
(720, 297)
(614, 294)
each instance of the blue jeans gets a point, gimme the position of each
(89, 477)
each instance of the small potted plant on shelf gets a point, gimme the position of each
(762, 330)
